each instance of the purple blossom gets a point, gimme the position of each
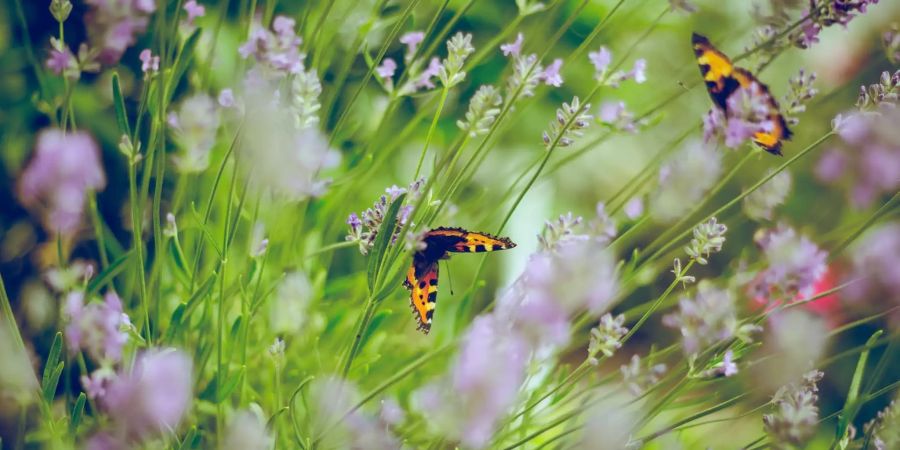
(513, 48)
(61, 60)
(386, 69)
(56, 181)
(226, 98)
(869, 156)
(149, 63)
(424, 79)
(706, 319)
(551, 76)
(152, 397)
(793, 265)
(412, 40)
(277, 51)
(601, 60)
(638, 73)
(617, 116)
(97, 328)
(634, 208)
(826, 14)
(113, 26)
(713, 123)
(193, 11)
(876, 267)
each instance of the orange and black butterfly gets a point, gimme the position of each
(422, 277)
(723, 79)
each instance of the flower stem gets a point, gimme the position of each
(434, 121)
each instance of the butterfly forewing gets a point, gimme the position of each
(422, 276)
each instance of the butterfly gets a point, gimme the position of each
(723, 79)
(422, 277)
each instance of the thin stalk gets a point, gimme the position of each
(434, 121)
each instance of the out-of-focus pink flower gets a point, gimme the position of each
(601, 60)
(97, 328)
(149, 63)
(114, 25)
(794, 265)
(279, 52)
(193, 11)
(875, 269)
(634, 208)
(513, 48)
(550, 76)
(61, 60)
(58, 177)
(152, 397)
(424, 79)
(639, 72)
(387, 68)
(412, 40)
(226, 98)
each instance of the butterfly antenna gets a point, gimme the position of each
(449, 278)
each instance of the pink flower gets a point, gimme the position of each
(96, 328)
(149, 63)
(601, 60)
(634, 208)
(639, 71)
(513, 48)
(424, 80)
(278, 51)
(551, 76)
(193, 10)
(113, 26)
(152, 397)
(226, 98)
(386, 69)
(412, 40)
(61, 60)
(56, 181)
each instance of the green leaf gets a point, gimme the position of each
(182, 61)
(77, 412)
(201, 292)
(175, 323)
(382, 240)
(212, 394)
(52, 369)
(115, 268)
(178, 261)
(119, 102)
(851, 407)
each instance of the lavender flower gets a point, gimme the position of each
(525, 77)
(708, 318)
(56, 182)
(459, 47)
(876, 263)
(513, 48)
(891, 41)
(411, 40)
(708, 238)
(684, 179)
(601, 60)
(288, 309)
(278, 51)
(801, 92)
(570, 120)
(60, 9)
(884, 429)
(793, 421)
(386, 70)
(193, 11)
(555, 233)
(640, 376)
(100, 329)
(194, 129)
(149, 63)
(826, 14)
(869, 156)
(149, 399)
(305, 91)
(606, 337)
(114, 26)
(281, 153)
(550, 76)
(725, 367)
(761, 203)
(633, 208)
(483, 384)
(226, 98)
(616, 116)
(483, 110)
(793, 265)
(247, 430)
(61, 60)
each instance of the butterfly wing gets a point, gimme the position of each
(716, 69)
(422, 282)
(778, 131)
(458, 240)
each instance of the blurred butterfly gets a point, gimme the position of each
(422, 277)
(723, 79)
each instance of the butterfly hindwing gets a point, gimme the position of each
(722, 79)
(458, 240)
(422, 282)
(422, 276)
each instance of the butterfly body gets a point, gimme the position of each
(723, 79)
(422, 276)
